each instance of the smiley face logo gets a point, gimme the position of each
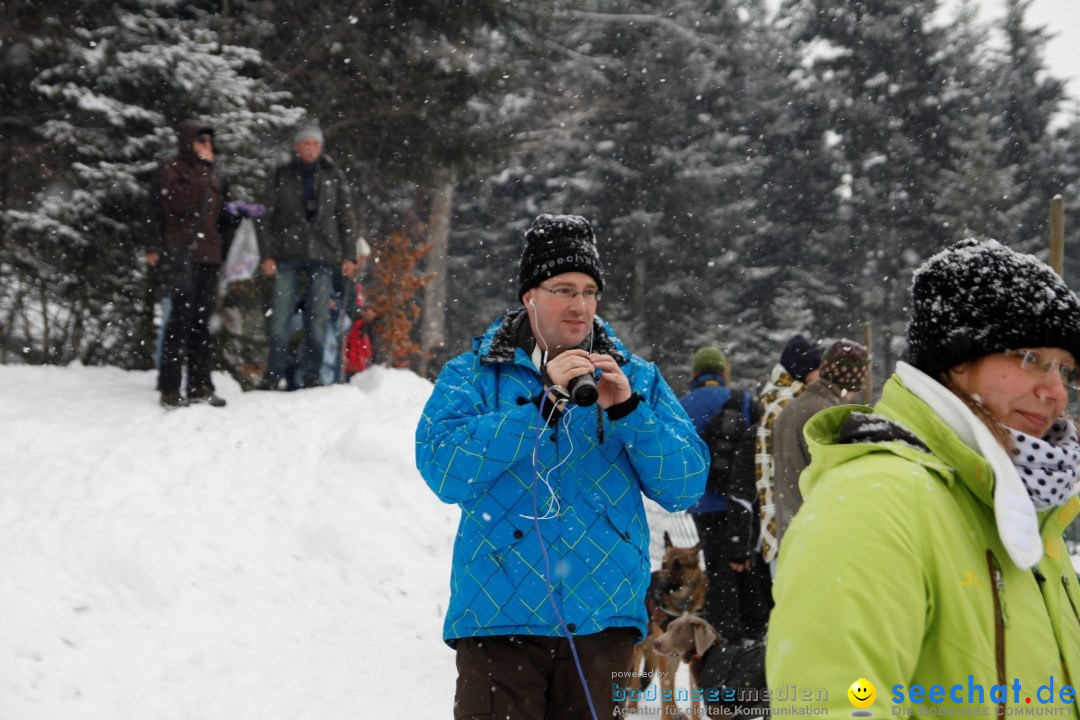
(862, 693)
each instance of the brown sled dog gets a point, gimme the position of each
(676, 589)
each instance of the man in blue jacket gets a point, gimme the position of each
(551, 560)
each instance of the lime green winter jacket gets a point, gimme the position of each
(892, 573)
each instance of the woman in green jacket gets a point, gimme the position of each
(926, 573)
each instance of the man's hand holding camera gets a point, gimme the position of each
(613, 387)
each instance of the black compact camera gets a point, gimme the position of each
(583, 390)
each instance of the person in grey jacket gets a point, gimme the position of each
(306, 236)
(845, 368)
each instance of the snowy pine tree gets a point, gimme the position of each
(659, 148)
(118, 92)
(883, 71)
(1027, 98)
(981, 194)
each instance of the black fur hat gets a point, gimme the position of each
(976, 298)
(557, 244)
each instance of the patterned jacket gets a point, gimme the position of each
(781, 390)
(482, 444)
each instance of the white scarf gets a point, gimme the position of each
(1048, 467)
(1017, 523)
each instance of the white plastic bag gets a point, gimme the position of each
(243, 255)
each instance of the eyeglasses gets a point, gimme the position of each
(204, 138)
(567, 294)
(1033, 362)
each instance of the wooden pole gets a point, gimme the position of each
(1057, 234)
(433, 324)
(868, 341)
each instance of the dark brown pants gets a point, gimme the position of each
(187, 333)
(523, 677)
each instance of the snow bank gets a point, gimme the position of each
(278, 558)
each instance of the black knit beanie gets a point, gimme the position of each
(557, 244)
(976, 298)
(801, 356)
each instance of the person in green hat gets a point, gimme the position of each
(736, 602)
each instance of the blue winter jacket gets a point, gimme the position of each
(482, 444)
(708, 394)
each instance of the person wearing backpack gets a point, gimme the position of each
(725, 517)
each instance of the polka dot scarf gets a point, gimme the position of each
(1049, 467)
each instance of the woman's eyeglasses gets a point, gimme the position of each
(1036, 363)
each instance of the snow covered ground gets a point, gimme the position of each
(278, 559)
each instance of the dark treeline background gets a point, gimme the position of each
(750, 172)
